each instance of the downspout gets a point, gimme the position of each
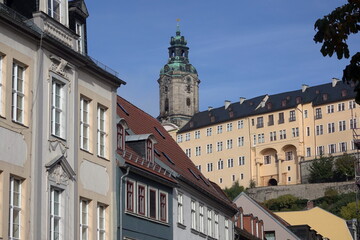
(120, 203)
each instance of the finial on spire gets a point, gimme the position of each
(178, 27)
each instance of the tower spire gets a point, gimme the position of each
(178, 27)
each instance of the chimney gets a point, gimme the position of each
(242, 99)
(210, 108)
(309, 205)
(334, 81)
(304, 87)
(227, 104)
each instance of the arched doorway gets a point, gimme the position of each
(272, 182)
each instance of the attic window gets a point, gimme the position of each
(325, 97)
(156, 152)
(162, 135)
(343, 93)
(204, 180)
(149, 151)
(283, 103)
(251, 103)
(168, 158)
(192, 172)
(269, 105)
(317, 91)
(120, 137)
(212, 119)
(298, 100)
(191, 124)
(231, 114)
(123, 109)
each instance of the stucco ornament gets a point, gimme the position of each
(59, 176)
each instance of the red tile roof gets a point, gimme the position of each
(170, 152)
(132, 158)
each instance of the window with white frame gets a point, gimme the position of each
(331, 127)
(209, 167)
(197, 151)
(289, 156)
(101, 131)
(197, 134)
(241, 160)
(55, 214)
(219, 146)
(149, 151)
(282, 134)
(18, 93)
(229, 144)
(261, 138)
(193, 214)
(153, 203)
(80, 42)
(179, 138)
(241, 176)
(199, 167)
(308, 152)
(84, 219)
(220, 164)
(141, 199)
(120, 137)
(1, 85)
(320, 150)
(101, 227)
(233, 178)
(58, 108)
(180, 208)
(216, 226)
(220, 180)
(254, 140)
(343, 147)
(341, 107)
(163, 206)
(241, 141)
(353, 123)
(292, 116)
(230, 163)
(267, 159)
(330, 108)
(273, 136)
(352, 104)
(229, 127)
(209, 223)
(209, 148)
(208, 132)
(318, 113)
(54, 9)
(332, 148)
(188, 152)
(308, 131)
(219, 129)
(187, 136)
(15, 208)
(130, 196)
(305, 113)
(84, 123)
(295, 132)
(201, 219)
(227, 232)
(240, 124)
(342, 125)
(319, 130)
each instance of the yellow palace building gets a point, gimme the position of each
(265, 140)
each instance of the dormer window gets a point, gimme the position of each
(54, 9)
(120, 137)
(149, 151)
(79, 28)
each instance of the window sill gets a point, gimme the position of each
(57, 137)
(180, 225)
(102, 157)
(202, 235)
(211, 238)
(87, 151)
(147, 218)
(19, 123)
(194, 231)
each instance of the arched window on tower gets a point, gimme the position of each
(188, 102)
(166, 105)
(182, 53)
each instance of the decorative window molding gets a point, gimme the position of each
(153, 203)
(56, 214)
(84, 123)
(163, 206)
(101, 131)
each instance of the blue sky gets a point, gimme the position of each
(240, 48)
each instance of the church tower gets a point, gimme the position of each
(178, 85)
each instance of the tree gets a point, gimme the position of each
(344, 167)
(321, 170)
(349, 211)
(285, 203)
(234, 191)
(333, 31)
